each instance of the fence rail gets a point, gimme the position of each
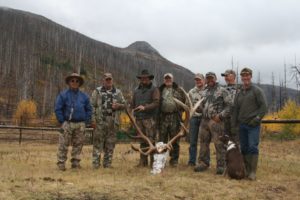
(21, 128)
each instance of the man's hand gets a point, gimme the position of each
(93, 125)
(254, 122)
(216, 118)
(139, 108)
(116, 106)
(63, 127)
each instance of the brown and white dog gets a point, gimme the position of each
(235, 167)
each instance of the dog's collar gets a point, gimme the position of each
(231, 145)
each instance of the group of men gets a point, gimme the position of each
(233, 110)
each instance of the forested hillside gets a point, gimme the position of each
(36, 54)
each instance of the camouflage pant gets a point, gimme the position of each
(169, 127)
(73, 135)
(210, 130)
(104, 140)
(147, 126)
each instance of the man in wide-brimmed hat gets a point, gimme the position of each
(145, 101)
(73, 111)
(107, 102)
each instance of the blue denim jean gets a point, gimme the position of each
(249, 139)
(194, 131)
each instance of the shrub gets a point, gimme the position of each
(26, 112)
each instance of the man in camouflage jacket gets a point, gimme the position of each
(232, 88)
(216, 107)
(170, 115)
(107, 102)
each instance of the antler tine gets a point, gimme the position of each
(197, 104)
(142, 135)
(183, 125)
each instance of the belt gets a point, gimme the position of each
(75, 121)
(169, 113)
(107, 114)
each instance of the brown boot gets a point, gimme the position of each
(143, 161)
(61, 166)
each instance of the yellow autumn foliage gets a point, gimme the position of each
(26, 112)
(290, 111)
(124, 121)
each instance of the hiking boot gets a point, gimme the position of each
(173, 163)
(75, 165)
(107, 166)
(96, 166)
(61, 166)
(191, 164)
(220, 170)
(200, 168)
(143, 162)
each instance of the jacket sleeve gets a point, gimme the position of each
(94, 105)
(155, 100)
(132, 102)
(227, 104)
(121, 100)
(59, 106)
(262, 104)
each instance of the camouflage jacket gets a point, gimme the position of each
(216, 102)
(232, 90)
(195, 95)
(177, 92)
(101, 102)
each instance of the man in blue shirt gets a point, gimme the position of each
(73, 111)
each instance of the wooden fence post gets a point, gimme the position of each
(20, 136)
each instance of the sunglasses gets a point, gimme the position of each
(108, 79)
(75, 81)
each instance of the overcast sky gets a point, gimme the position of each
(201, 35)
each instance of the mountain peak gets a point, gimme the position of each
(144, 47)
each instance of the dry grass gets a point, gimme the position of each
(29, 172)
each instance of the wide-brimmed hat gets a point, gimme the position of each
(145, 73)
(75, 75)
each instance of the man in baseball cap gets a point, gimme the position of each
(232, 88)
(246, 70)
(195, 94)
(107, 102)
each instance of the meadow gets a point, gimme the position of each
(28, 171)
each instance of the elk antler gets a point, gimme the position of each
(151, 147)
(189, 111)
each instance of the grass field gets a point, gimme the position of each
(29, 172)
